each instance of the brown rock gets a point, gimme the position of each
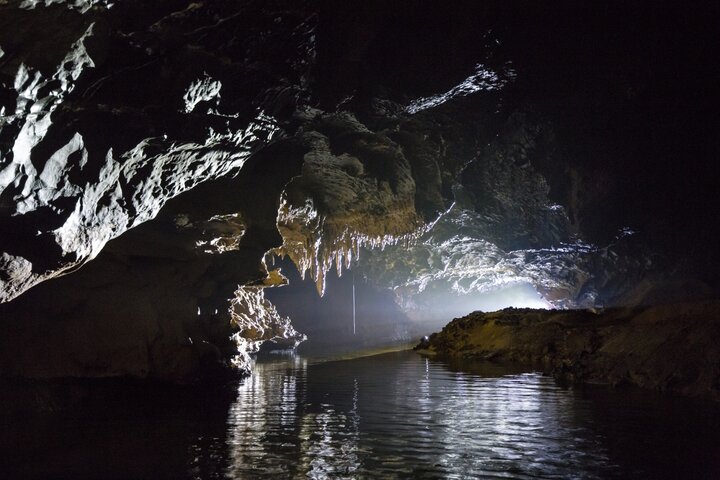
(671, 347)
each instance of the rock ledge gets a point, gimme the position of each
(673, 348)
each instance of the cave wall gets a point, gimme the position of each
(153, 157)
(163, 300)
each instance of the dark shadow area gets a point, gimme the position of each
(113, 429)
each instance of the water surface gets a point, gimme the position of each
(394, 415)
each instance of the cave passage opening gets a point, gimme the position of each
(356, 314)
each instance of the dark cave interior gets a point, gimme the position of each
(186, 184)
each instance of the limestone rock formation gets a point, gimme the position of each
(99, 133)
(87, 154)
(671, 348)
(154, 158)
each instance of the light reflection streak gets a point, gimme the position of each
(406, 416)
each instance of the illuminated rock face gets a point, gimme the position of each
(152, 157)
(110, 114)
(666, 347)
(87, 156)
(503, 230)
(356, 190)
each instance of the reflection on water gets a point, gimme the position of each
(275, 430)
(400, 415)
(388, 416)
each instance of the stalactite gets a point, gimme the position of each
(315, 248)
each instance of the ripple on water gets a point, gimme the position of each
(388, 416)
(400, 415)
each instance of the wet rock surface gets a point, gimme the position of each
(98, 137)
(672, 348)
(154, 157)
(162, 301)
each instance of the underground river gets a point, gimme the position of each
(393, 415)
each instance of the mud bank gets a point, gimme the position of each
(674, 348)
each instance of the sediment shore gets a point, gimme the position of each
(674, 348)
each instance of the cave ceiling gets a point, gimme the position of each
(442, 151)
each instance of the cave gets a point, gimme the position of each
(378, 239)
